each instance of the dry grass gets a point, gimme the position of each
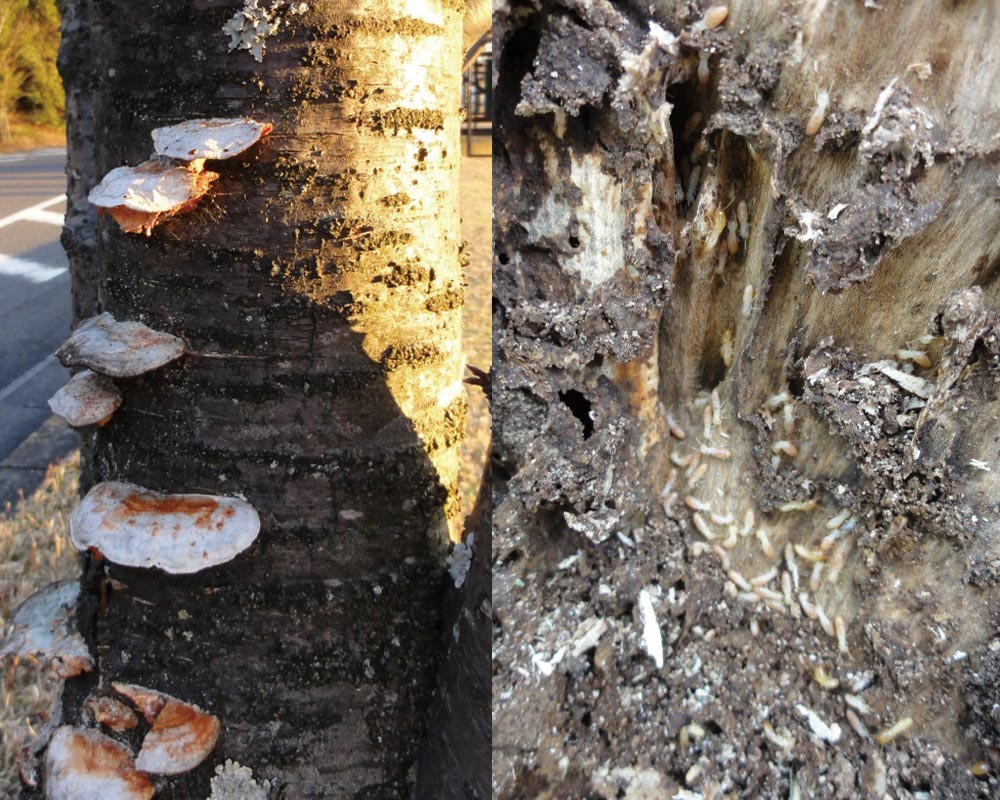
(25, 136)
(34, 551)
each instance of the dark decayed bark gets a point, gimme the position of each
(318, 287)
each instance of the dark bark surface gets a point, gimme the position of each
(318, 287)
(677, 404)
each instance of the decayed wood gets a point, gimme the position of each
(831, 362)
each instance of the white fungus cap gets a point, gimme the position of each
(139, 197)
(153, 186)
(88, 399)
(86, 765)
(178, 533)
(119, 349)
(44, 626)
(208, 138)
(182, 735)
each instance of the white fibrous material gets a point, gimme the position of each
(651, 637)
(460, 560)
(83, 763)
(208, 138)
(178, 533)
(88, 399)
(119, 349)
(44, 626)
(235, 782)
(251, 26)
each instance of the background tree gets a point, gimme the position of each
(746, 343)
(320, 289)
(29, 83)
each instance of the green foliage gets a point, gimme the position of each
(29, 41)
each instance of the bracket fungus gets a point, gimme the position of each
(119, 349)
(111, 713)
(84, 764)
(198, 139)
(178, 533)
(88, 399)
(45, 626)
(182, 735)
(140, 197)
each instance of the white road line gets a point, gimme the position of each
(30, 271)
(43, 153)
(25, 213)
(19, 381)
(49, 217)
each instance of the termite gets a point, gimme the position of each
(840, 627)
(732, 243)
(743, 215)
(726, 348)
(765, 543)
(816, 577)
(695, 504)
(676, 430)
(703, 71)
(786, 447)
(918, 357)
(722, 453)
(702, 526)
(889, 734)
(716, 407)
(815, 120)
(748, 299)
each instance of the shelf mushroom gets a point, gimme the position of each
(198, 139)
(178, 533)
(119, 349)
(88, 399)
(140, 197)
(85, 763)
(44, 626)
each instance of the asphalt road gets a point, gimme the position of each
(35, 303)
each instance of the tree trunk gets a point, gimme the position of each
(693, 392)
(318, 287)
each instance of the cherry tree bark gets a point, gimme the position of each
(745, 325)
(318, 287)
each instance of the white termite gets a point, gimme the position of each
(808, 553)
(702, 526)
(918, 357)
(748, 292)
(732, 242)
(704, 73)
(818, 114)
(886, 736)
(807, 608)
(788, 417)
(784, 741)
(765, 543)
(721, 453)
(676, 430)
(720, 260)
(838, 519)
(765, 577)
(776, 401)
(695, 504)
(739, 580)
(716, 407)
(721, 519)
(749, 519)
(840, 628)
(671, 481)
(786, 588)
(698, 474)
(785, 446)
(857, 704)
(798, 505)
(732, 539)
(792, 564)
(743, 215)
(651, 638)
(707, 423)
(816, 577)
(824, 621)
(857, 725)
(693, 466)
(828, 733)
